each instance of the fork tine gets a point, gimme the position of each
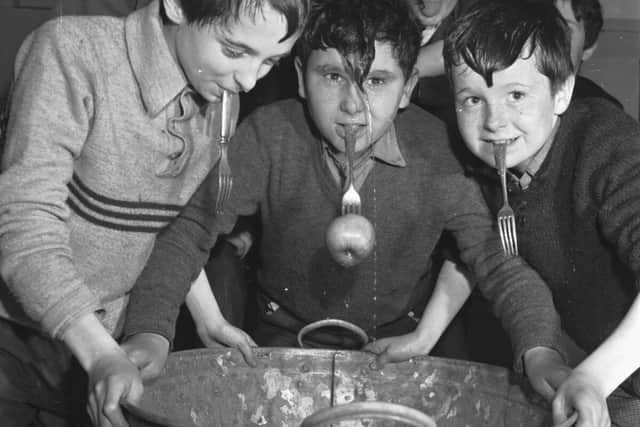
(514, 236)
(502, 235)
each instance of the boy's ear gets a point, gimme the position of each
(409, 85)
(173, 10)
(588, 53)
(300, 73)
(562, 98)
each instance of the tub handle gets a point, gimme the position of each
(369, 409)
(333, 322)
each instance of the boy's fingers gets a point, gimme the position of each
(382, 359)
(247, 352)
(559, 411)
(543, 388)
(111, 406)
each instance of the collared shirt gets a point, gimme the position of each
(162, 82)
(535, 162)
(386, 149)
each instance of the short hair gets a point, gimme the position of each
(490, 36)
(208, 12)
(589, 12)
(353, 26)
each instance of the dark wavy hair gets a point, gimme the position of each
(353, 26)
(490, 36)
(207, 12)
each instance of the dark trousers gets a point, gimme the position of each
(41, 383)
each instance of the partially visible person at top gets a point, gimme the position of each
(112, 127)
(355, 64)
(573, 184)
(585, 21)
(98, 7)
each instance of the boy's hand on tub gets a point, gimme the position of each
(226, 334)
(148, 351)
(398, 348)
(580, 394)
(546, 370)
(112, 379)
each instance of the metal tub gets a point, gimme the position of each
(214, 388)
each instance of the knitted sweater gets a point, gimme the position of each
(279, 171)
(95, 132)
(578, 222)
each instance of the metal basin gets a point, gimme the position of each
(214, 388)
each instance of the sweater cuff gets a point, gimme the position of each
(552, 340)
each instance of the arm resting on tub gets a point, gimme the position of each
(211, 325)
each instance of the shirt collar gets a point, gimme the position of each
(536, 161)
(159, 77)
(387, 149)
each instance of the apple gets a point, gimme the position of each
(350, 239)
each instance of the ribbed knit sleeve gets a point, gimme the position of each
(519, 297)
(182, 249)
(179, 253)
(51, 110)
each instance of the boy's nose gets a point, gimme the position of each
(352, 101)
(494, 117)
(247, 76)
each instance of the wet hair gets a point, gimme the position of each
(210, 12)
(490, 36)
(589, 12)
(353, 26)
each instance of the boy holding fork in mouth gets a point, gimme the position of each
(107, 140)
(573, 182)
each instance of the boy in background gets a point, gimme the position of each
(111, 130)
(289, 158)
(572, 182)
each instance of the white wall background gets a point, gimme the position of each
(621, 9)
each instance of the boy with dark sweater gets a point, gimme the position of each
(111, 130)
(289, 158)
(573, 184)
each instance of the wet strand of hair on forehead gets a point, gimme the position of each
(357, 75)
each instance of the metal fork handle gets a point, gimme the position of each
(349, 148)
(500, 153)
(225, 116)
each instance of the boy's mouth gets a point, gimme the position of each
(345, 128)
(506, 141)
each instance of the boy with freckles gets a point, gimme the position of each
(573, 183)
(288, 160)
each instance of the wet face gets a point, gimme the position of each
(231, 57)
(334, 102)
(576, 28)
(431, 12)
(519, 110)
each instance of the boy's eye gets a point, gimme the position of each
(334, 77)
(516, 95)
(232, 53)
(470, 102)
(376, 81)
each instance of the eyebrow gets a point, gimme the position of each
(324, 68)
